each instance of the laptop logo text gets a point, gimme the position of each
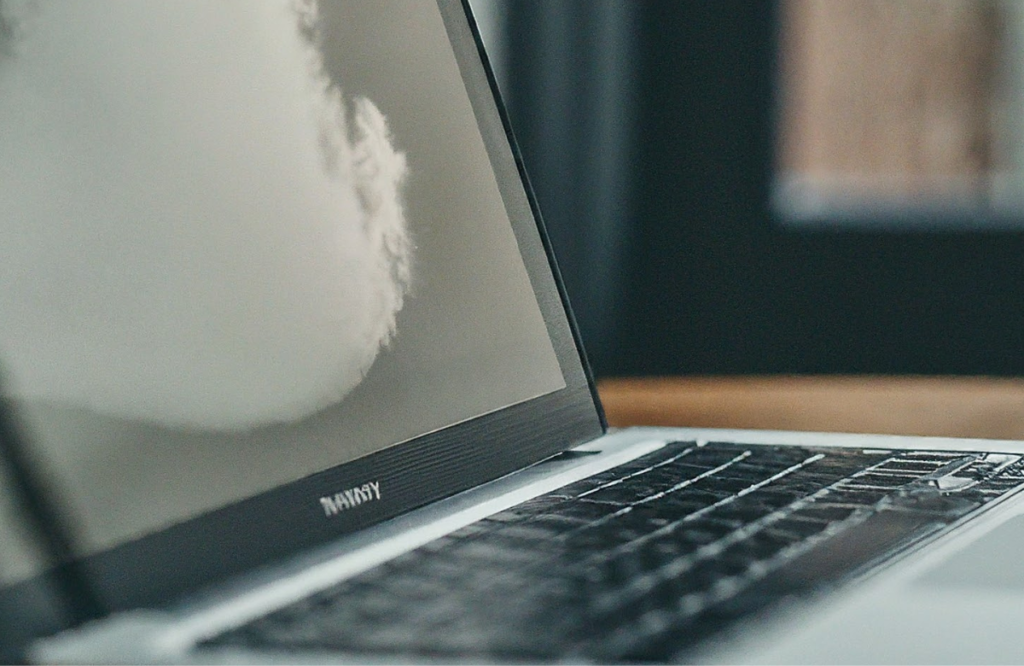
(350, 498)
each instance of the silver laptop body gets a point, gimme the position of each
(278, 311)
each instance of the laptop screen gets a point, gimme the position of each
(246, 243)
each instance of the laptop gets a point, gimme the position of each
(290, 376)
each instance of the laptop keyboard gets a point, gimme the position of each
(644, 561)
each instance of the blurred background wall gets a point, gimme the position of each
(781, 187)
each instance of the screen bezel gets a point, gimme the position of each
(162, 567)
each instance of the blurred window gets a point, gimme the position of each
(901, 112)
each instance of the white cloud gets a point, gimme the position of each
(192, 232)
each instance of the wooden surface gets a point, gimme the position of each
(954, 407)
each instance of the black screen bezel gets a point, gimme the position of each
(162, 567)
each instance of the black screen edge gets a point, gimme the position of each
(524, 179)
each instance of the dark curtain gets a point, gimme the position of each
(571, 70)
(647, 128)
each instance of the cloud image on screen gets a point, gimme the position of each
(198, 228)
